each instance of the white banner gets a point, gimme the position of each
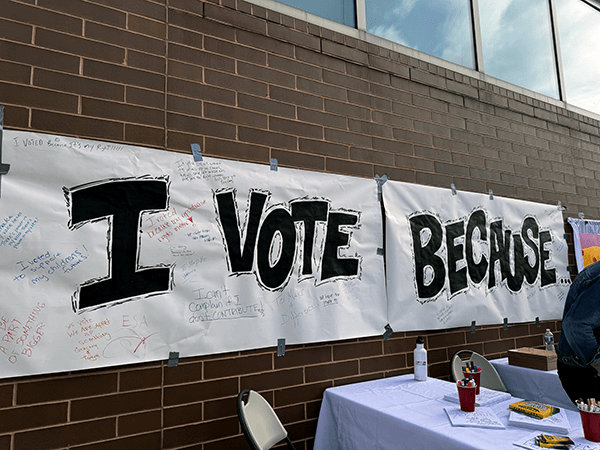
(114, 254)
(455, 259)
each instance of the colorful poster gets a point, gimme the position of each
(114, 254)
(586, 238)
(453, 259)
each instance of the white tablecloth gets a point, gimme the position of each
(401, 413)
(531, 384)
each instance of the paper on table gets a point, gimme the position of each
(556, 423)
(482, 418)
(580, 443)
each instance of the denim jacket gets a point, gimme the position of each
(579, 343)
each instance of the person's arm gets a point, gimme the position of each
(579, 322)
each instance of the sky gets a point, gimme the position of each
(516, 40)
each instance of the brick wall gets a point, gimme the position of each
(251, 84)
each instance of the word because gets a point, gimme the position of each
(464, 263)
(275, 229)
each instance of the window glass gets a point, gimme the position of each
(517, 43)
(579, 36)
(340, 11)
(440, 28)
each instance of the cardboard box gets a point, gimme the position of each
(533, 358)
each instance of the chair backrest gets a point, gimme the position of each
(489, 375)
(260, 424)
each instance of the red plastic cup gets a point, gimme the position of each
(591, 425)
(466, 396)
(476, 376)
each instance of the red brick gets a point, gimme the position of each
(343, 52)
(122, 112)
(266, 106)
(322, 89)
(37, 98)
(64, 436)
(383, 363)
(262, 137)
(41, 17)
(236, 19)
(408, 176)
(16, 73)
(241, 84)
(124, 75)
(16, 31)
(190, 6)
(370, 101)
(298, 160)
(27, 54)
(150, 28)
(184, 105)
(300, 394)
(78, 85)
(371, 156)
(75, 125)
(141, 7)
(144, 97)
(202, 432)
(130, 380)
(149, 441)
(272, 380)
(235, 51)
(321, 118)
(200, 91)
(124, 38)
(145, 61)
(265, 43)
(69, 387)
(237, 150)
(78, 8)
(142, 422)
(201, 126)
(370, 128)
(238, 366)
(408, 162)
(79, 46)
(195, 392)
(346, 109)
(390, 145)
(296, 128)
(112, 405)
(182, 415)
(331, 371)
(153, 137)
(186, 37)
(201, 58)
(16, 117)
(183, 373)
(301, 39)
(218, 409)
(412, 137)
(349, 168)
(15, 419)
(320, 60)
(265, 74)
(323, 148)
(344, 137)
